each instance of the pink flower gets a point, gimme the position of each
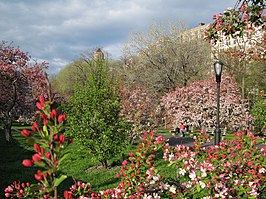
(245, 16)
(9, 189)
(36, 157)
(25, 133)
(244, 7)
(27, 163)
(131, 154)
(159, 140)
(125, 162)
(7, 195)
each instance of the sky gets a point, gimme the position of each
(59, 31)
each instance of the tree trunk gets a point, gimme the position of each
(7, 130)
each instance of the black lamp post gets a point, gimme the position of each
(218, 66)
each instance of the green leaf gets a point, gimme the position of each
(198, 187)
(30, 140)
(39, 164)
(63, 157)
(45, 130)
(59, 180)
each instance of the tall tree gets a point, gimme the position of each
(94, 114)
(166, 57)
(21, 83)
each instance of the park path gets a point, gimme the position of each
(188, 141)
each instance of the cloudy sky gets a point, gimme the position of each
(58, 31)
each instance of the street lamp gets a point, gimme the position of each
(218, 66)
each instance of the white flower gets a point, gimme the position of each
(203, 173)
(262, 170)
(182, 171)
(156, 178)
(202, 184)
(171, 157)
(192, 175)
(189, 185)
(152, 182)
(172, 189)
(147, 196)
(156, 196)
(166, 186)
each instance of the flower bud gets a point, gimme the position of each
(48, 155)
(53, 114)
(38, 175)
(61, 138)
(36, 157)
(25, 133)
(56, 137)
(42, 99)
(61, 118)
(27, 163)
(34, 126)
(39, 105)
(37, 148)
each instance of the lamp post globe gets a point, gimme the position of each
(218, 68)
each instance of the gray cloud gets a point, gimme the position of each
(58, 31)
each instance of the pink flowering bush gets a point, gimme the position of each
(233, 169)
(196, 105)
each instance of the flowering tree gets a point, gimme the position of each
(245, 16)
(20, 84)
(243, 28)
(139, 107)
(195, 105)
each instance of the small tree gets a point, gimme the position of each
(196, 105)
(139, 107)
(259, 112)
(94, 115)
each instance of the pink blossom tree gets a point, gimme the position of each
(20, 84)
(195, 105)
(139, 106)
(244, 17)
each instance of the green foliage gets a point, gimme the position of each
(94, 115)
(259, 112)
